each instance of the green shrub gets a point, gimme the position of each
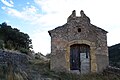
(23, 50)
(1, 44)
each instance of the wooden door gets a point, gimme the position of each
(74, 58)
(79, 58)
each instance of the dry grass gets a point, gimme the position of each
(43, 68)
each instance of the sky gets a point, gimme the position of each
(37, 17)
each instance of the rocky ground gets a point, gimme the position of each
(18, 66)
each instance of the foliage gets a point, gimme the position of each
(23, 50)
(1, 44)
(114, 55)
(14, 39)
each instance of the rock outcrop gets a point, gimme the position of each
(19, 66)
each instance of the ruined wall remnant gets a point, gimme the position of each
(89, 46)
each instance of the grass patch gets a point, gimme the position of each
(43, 68)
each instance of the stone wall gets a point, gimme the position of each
(13, 65)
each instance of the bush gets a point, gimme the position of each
(23, 50)
(1, 44)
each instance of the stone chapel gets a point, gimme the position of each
(78, 45)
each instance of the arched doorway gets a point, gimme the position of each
(80, 57)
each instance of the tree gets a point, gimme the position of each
(14, 39)
(114, 55)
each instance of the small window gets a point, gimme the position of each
(79, 29)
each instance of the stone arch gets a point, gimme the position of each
(93, 65)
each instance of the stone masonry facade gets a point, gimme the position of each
(78, 30)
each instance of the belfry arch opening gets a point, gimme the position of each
(80, 58)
